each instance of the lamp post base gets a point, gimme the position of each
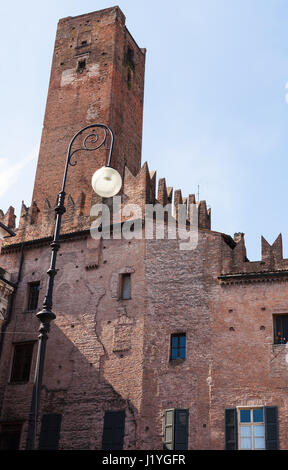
(45, 316)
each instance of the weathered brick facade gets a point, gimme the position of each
(106, 353)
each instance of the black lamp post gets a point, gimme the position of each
(6, 232)
(106, 182)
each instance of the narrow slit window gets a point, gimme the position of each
(33, 295)
(129, 79)
(129, 58)
(125, 286)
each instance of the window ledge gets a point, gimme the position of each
(175, 362)
(19, 383)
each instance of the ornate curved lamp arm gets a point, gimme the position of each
(85, 146)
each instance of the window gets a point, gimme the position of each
(84, 39)
(280, 329)
(10, 434)
(129, 62)
(113, 431)
(33, 295)
(50, 431)
(176, 429)
(251, 428)
(21, 364)
(81, 66)
(125, 286)
(129, 79)
(178, 346)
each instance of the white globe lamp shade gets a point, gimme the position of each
(106, 181)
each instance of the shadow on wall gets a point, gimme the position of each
(93, 414)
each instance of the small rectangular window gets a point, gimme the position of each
(81, 66)
(113, 430)
(33, 295)
(50, 431)
(21, 364)
(178, 346)
(125, 286)
(280, 329)
(10, 434)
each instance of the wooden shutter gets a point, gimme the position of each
(113, 432)
(231, 434)
(50, 432)
(271, 427)
(168, 429)
(181, 429)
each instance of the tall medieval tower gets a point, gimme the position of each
(97, 76)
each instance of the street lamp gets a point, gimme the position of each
(106, 182)
(5, 231)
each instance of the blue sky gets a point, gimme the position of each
(215, 109)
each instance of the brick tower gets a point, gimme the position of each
(97, 76)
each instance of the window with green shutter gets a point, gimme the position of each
(271, 427)
(169, 429)
(176, 425)
(231, 429)
(251, 428)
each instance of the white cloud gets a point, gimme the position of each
(10, 173)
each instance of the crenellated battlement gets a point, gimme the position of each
(237, 268)
(9, 218)
(138, 190)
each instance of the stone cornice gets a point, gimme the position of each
(43, 241)
(247, 278)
